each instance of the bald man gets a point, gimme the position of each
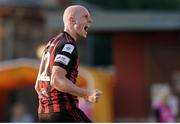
(56, 80)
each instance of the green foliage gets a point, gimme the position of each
(137, 4)
(102, 49)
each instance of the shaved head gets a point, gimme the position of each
(73, 11)
(76, 18)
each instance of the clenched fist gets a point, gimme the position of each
(94, 96)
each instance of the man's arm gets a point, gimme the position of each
(61, 83)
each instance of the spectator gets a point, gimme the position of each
(20, 114)
(161, 108)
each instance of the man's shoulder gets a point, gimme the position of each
(62, 41)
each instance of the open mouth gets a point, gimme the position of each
(86, 28)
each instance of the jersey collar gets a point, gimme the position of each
(69, 36)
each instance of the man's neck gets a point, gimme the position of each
(71, 33)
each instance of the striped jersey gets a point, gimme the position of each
(60, 51)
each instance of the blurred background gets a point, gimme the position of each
(132, 54)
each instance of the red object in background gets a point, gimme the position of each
(129, 62)
(135, 72)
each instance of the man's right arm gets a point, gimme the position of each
(61, 83)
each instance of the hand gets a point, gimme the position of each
(94, 96)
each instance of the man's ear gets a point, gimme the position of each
(72, 20)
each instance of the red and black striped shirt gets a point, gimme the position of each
(60, 51)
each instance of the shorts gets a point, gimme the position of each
(75, 115)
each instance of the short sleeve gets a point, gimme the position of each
(65, 55)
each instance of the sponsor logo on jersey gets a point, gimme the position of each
(68, 48)
(62, 59)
